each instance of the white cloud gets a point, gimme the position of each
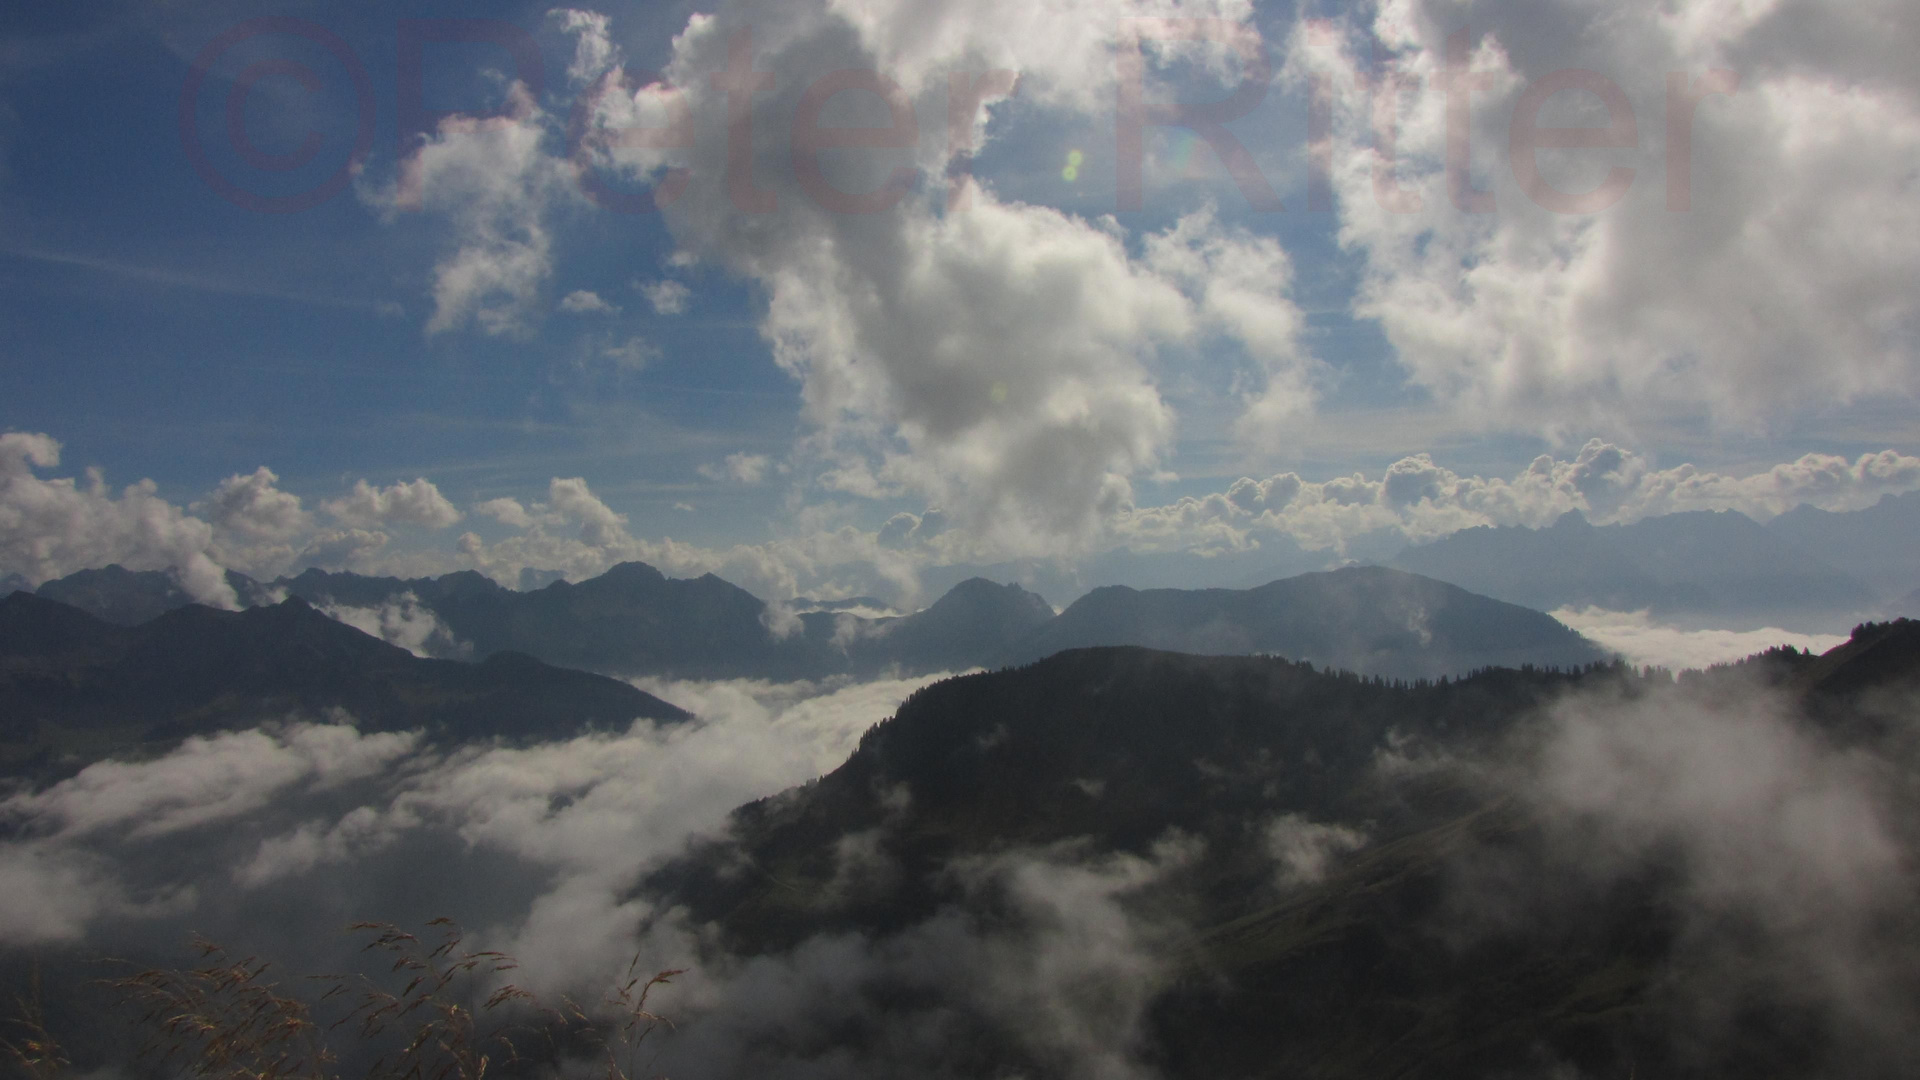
(1421, 500)
(1761, 301)
(667, 297)
(343, 549)
(1799, 841)
(494, 181)
(207, 780)
(1303, 849)
(403, 621)
(741, 468)
(586, 302)
(1646, 642)
(633, 354)
(593, 50)
(999, 361)
(52, 528)
(505, 511)
(1240, 283)
(416, 503)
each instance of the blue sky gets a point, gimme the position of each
(157, 329)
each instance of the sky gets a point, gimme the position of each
(840, 297)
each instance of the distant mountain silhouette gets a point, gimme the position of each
(131, 597)
(1360, 970)
(1371, 620)
(73, 687)
(975, 623)
(636, 621)
(1706, 562)
(1880, 545)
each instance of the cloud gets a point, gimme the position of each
(1645, 642)
(1799, 844)
(1303, 848)
(206, 781)
(416, 503)
(497, 186)
(1000, 360)
(506, 511)
(593, 51)
(1418, 499)
(741, 468)
(342, 549)
(562, 826)
(403, 621)
(52, 528)
(1240, 283)
(667, 297)
(585, 302)
(1725, 280)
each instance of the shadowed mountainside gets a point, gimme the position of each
(1451, 932)
(74, 688)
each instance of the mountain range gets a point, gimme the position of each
(74, 688)
(635, 621)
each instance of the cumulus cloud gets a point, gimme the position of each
(1240, 283)
(1720, 276)
(577, 534)
(667, 297)
(593, 49)
(741, 468)
(1418, 499)
(416, 503)
(586, 302)
(1000, 360)
(497, 185)
(51, 528)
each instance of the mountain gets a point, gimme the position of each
(1880, 545)
(635, 621)
(1700, 562)
(976, 622)
(131, 597)
(74, 687)
(1370, 620)
(1429, 921)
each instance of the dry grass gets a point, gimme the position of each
(431, 1010)
(33, 1051)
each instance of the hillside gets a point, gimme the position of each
(1427, 920)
